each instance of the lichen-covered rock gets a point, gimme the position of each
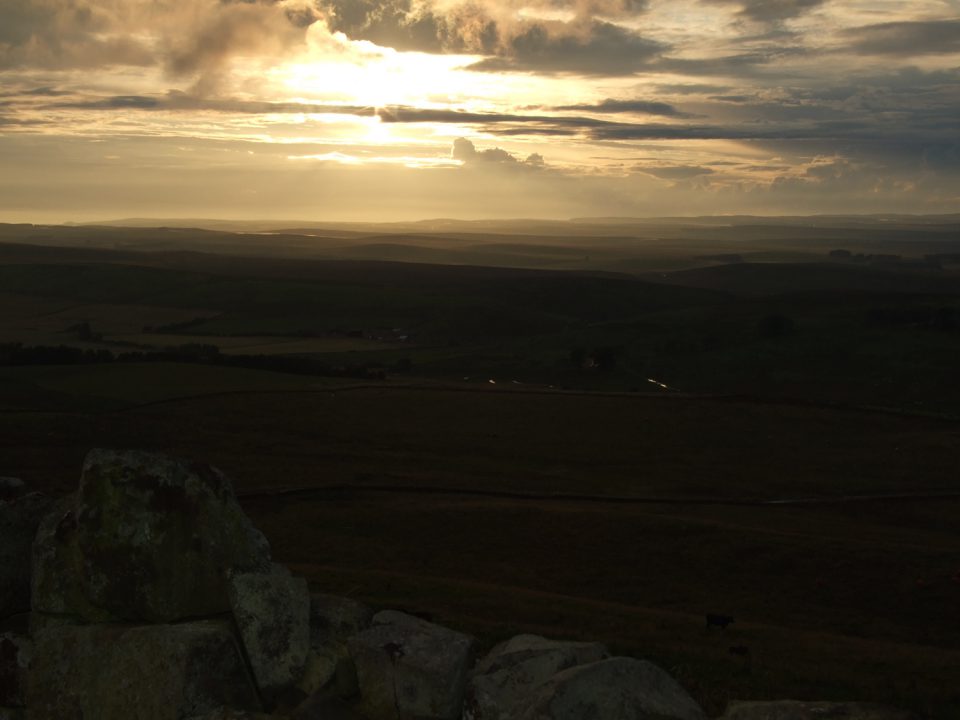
(333, 620)
(272, 610)
(148, 537)
(321, 707)
(614, 689)
(231, 714)
(56, 589)
(149, 672)
(19, 519)
(408, 667)
(799, 710)
(15, 653)
(11, 488)
(505, 678)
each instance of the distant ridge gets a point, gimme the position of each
(525, 225)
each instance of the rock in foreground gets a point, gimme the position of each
(148, 538)
(272, 610)
(19, 519)
(408, 667)
(615, 689)
(800, 710)
(150, 672)
(506, 677)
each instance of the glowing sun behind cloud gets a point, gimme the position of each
(383, 77)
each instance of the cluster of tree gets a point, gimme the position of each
(929, 262)
(85, 332)
(17, 354)
(847, 255)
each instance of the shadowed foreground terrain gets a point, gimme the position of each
(800, 478)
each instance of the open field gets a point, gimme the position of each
(689, 418)
(420, 502)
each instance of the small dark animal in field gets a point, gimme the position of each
(720, 621)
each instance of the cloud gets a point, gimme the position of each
(467, 153)
(46, 92)
(175, 100)
(675, 172)
(473, 26)
(932, 37)
(597, 48)
(768, 60)
(186, 38)
(771, 11)
(67, 34)
(647, 107)
(268, 28)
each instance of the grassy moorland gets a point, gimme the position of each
(797, 472)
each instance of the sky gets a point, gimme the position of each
(378, 110)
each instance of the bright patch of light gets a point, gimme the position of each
(401, 160)
(392, 78)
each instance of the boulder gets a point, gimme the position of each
(320, 707)
(147, 538)
(272, 610)
(333, 620)
(407, 667)
(509, 673)
(19, 519)
(231, 714)
(11, 488)
(150, 672)
(799, 710)
(56, 590)
(15, 652)
(618, 688)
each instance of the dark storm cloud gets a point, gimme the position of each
(934, 37)
(648, 107)
(395, 23)
(771, 60)
(180, 101)
(675, 172)
(732, 98)
(46, 92)
(480, 27)
(116, 102)
(405, 114)
(690, 88)
(602, 49)
(771, 11)
(536, 131)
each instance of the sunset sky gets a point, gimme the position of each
(406, 109)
